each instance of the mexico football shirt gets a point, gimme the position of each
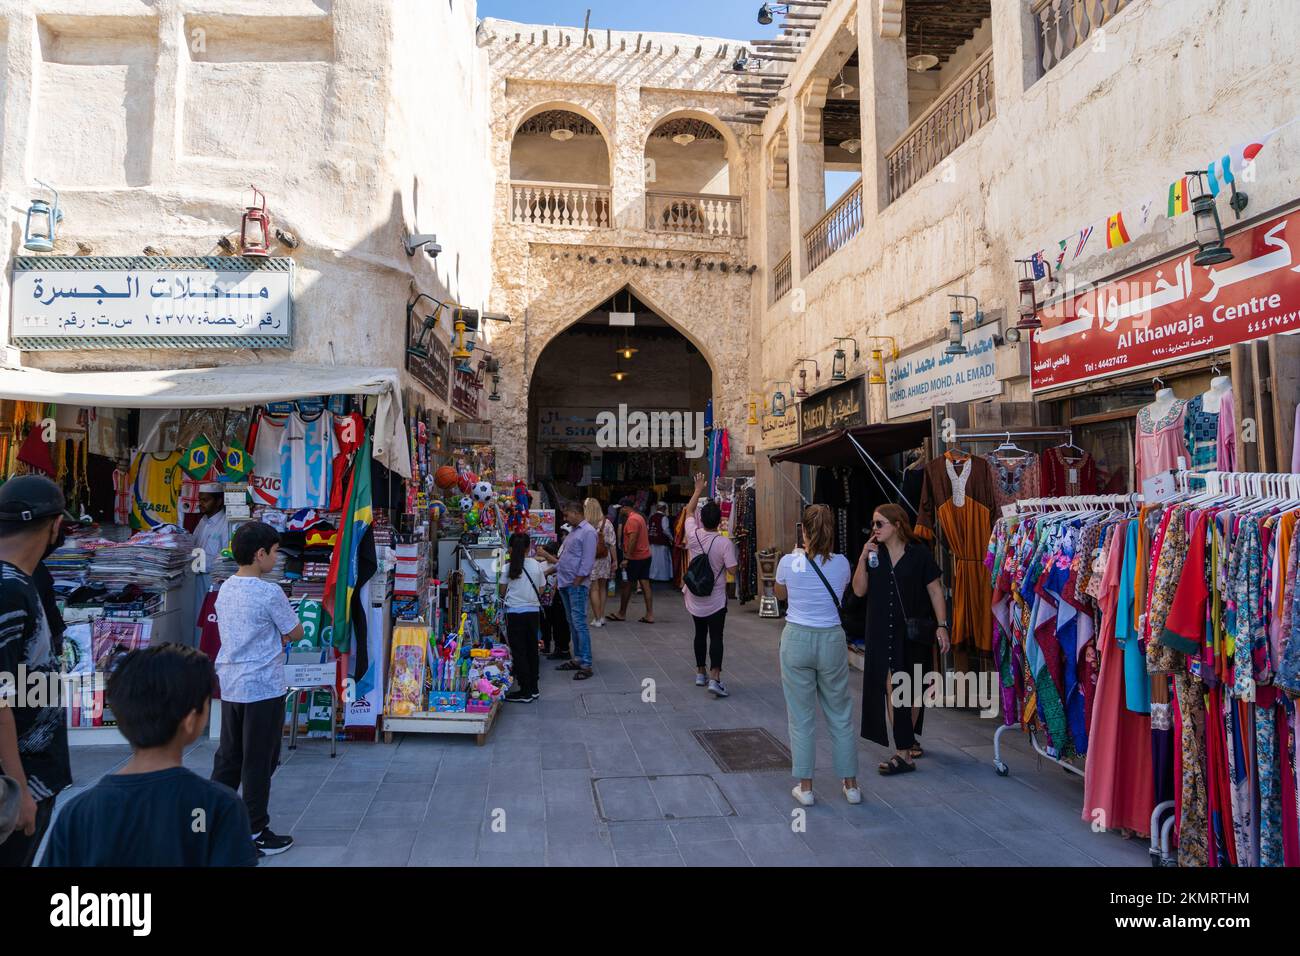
(265, 481)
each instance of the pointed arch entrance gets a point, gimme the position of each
(617, 408)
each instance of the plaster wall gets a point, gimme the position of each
(152, 119)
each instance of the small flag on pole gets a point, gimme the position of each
(1084, 235)
(1060, 256)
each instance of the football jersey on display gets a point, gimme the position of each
(155, 490)
(266, 480)
(307, 460)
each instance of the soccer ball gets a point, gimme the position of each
(483, 491)
(466, 503)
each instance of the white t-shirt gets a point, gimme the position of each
(252, 616)
(810, 602)
(520, 596)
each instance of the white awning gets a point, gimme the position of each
(228, 386)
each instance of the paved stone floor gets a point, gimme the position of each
(551, 768)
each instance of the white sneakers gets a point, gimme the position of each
(701, 680)
(805, 797)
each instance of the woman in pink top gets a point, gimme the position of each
(710, 612)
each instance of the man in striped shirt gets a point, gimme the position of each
(33, 735)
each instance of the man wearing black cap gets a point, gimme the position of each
(33, 735)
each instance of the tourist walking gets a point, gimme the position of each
(636, 562)
(905, 615)
(814, 655)
(661, 544)
(555, 619)
(603, 567)
(521, 594)
(708, 610)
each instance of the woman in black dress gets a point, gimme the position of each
(904, 584)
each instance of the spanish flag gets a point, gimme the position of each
(1178, 202)
(1116, 232)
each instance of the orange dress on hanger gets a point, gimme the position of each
(958, 496)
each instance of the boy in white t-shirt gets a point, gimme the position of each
(256, 621)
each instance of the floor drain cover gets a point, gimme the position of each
(744, 750)
(659, 799)
(622, 705)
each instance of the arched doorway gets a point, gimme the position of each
(615, 409)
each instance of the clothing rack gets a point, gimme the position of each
(1046, 505)
(1028, 434)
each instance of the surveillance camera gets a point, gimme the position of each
(426, 239)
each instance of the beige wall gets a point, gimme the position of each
(152, 119)
(537, 158)
(698, 167)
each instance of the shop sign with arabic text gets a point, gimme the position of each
(1174, 310)
(98, 302)
(843, 406)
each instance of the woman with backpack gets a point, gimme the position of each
(905, 619)
(522, 594)
(603, 569)
(704, 585)
(815, 656)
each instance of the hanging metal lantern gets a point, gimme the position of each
(877, 374)
(753, 413)
(955, 344)
(1209, 230)
(839, 366)
(42, 225)
(255, 232)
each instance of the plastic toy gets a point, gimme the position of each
(446, 477)
(483, 491)
(438, 508)
(466, 503)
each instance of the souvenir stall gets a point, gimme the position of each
(137, 452)
(449, 662)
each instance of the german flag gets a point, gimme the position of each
(1178, 202)
(1116, 232)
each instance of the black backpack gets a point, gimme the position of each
(699, 578)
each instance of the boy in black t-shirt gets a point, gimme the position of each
(154, 812)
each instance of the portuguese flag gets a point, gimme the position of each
(1116, 232)
(1178, 201)
(354, 561)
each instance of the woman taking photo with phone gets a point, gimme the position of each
(905, 618)
(815, 655)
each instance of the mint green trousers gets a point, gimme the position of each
(815, 669)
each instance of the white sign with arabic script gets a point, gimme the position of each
(923, 379)
(61, 302)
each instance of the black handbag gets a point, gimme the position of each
(839, 606)
(920, 630)
(699, 578)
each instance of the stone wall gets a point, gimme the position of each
(626, 84)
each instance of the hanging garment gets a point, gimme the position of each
(1225, 442)
(1201, 435)
(1066, 474)
(958, 492)
(266, 481)
(1014, 477)
(155, 490)
(1161, 442)
(307, 451)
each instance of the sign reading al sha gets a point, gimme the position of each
(843, 406)
(1173, 310)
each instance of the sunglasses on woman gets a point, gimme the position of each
(878, 524)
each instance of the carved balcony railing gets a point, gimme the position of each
(841, 223)
(961, 109)
(1065, 25)
(559, 204)
(781, 279)
(694, 214)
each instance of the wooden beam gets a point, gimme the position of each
(638, 43)
(585, 24)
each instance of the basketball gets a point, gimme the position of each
(445, 477)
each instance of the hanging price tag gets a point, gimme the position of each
(1159, 487)
(1073, 477)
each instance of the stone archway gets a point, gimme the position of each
(709, 309)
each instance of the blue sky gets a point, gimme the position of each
(731, 19)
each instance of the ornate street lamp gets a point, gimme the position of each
(42, 225)
(839, 361)
(1209, 231)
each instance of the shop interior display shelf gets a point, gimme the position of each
(432, 722)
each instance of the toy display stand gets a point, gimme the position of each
(432, 722)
